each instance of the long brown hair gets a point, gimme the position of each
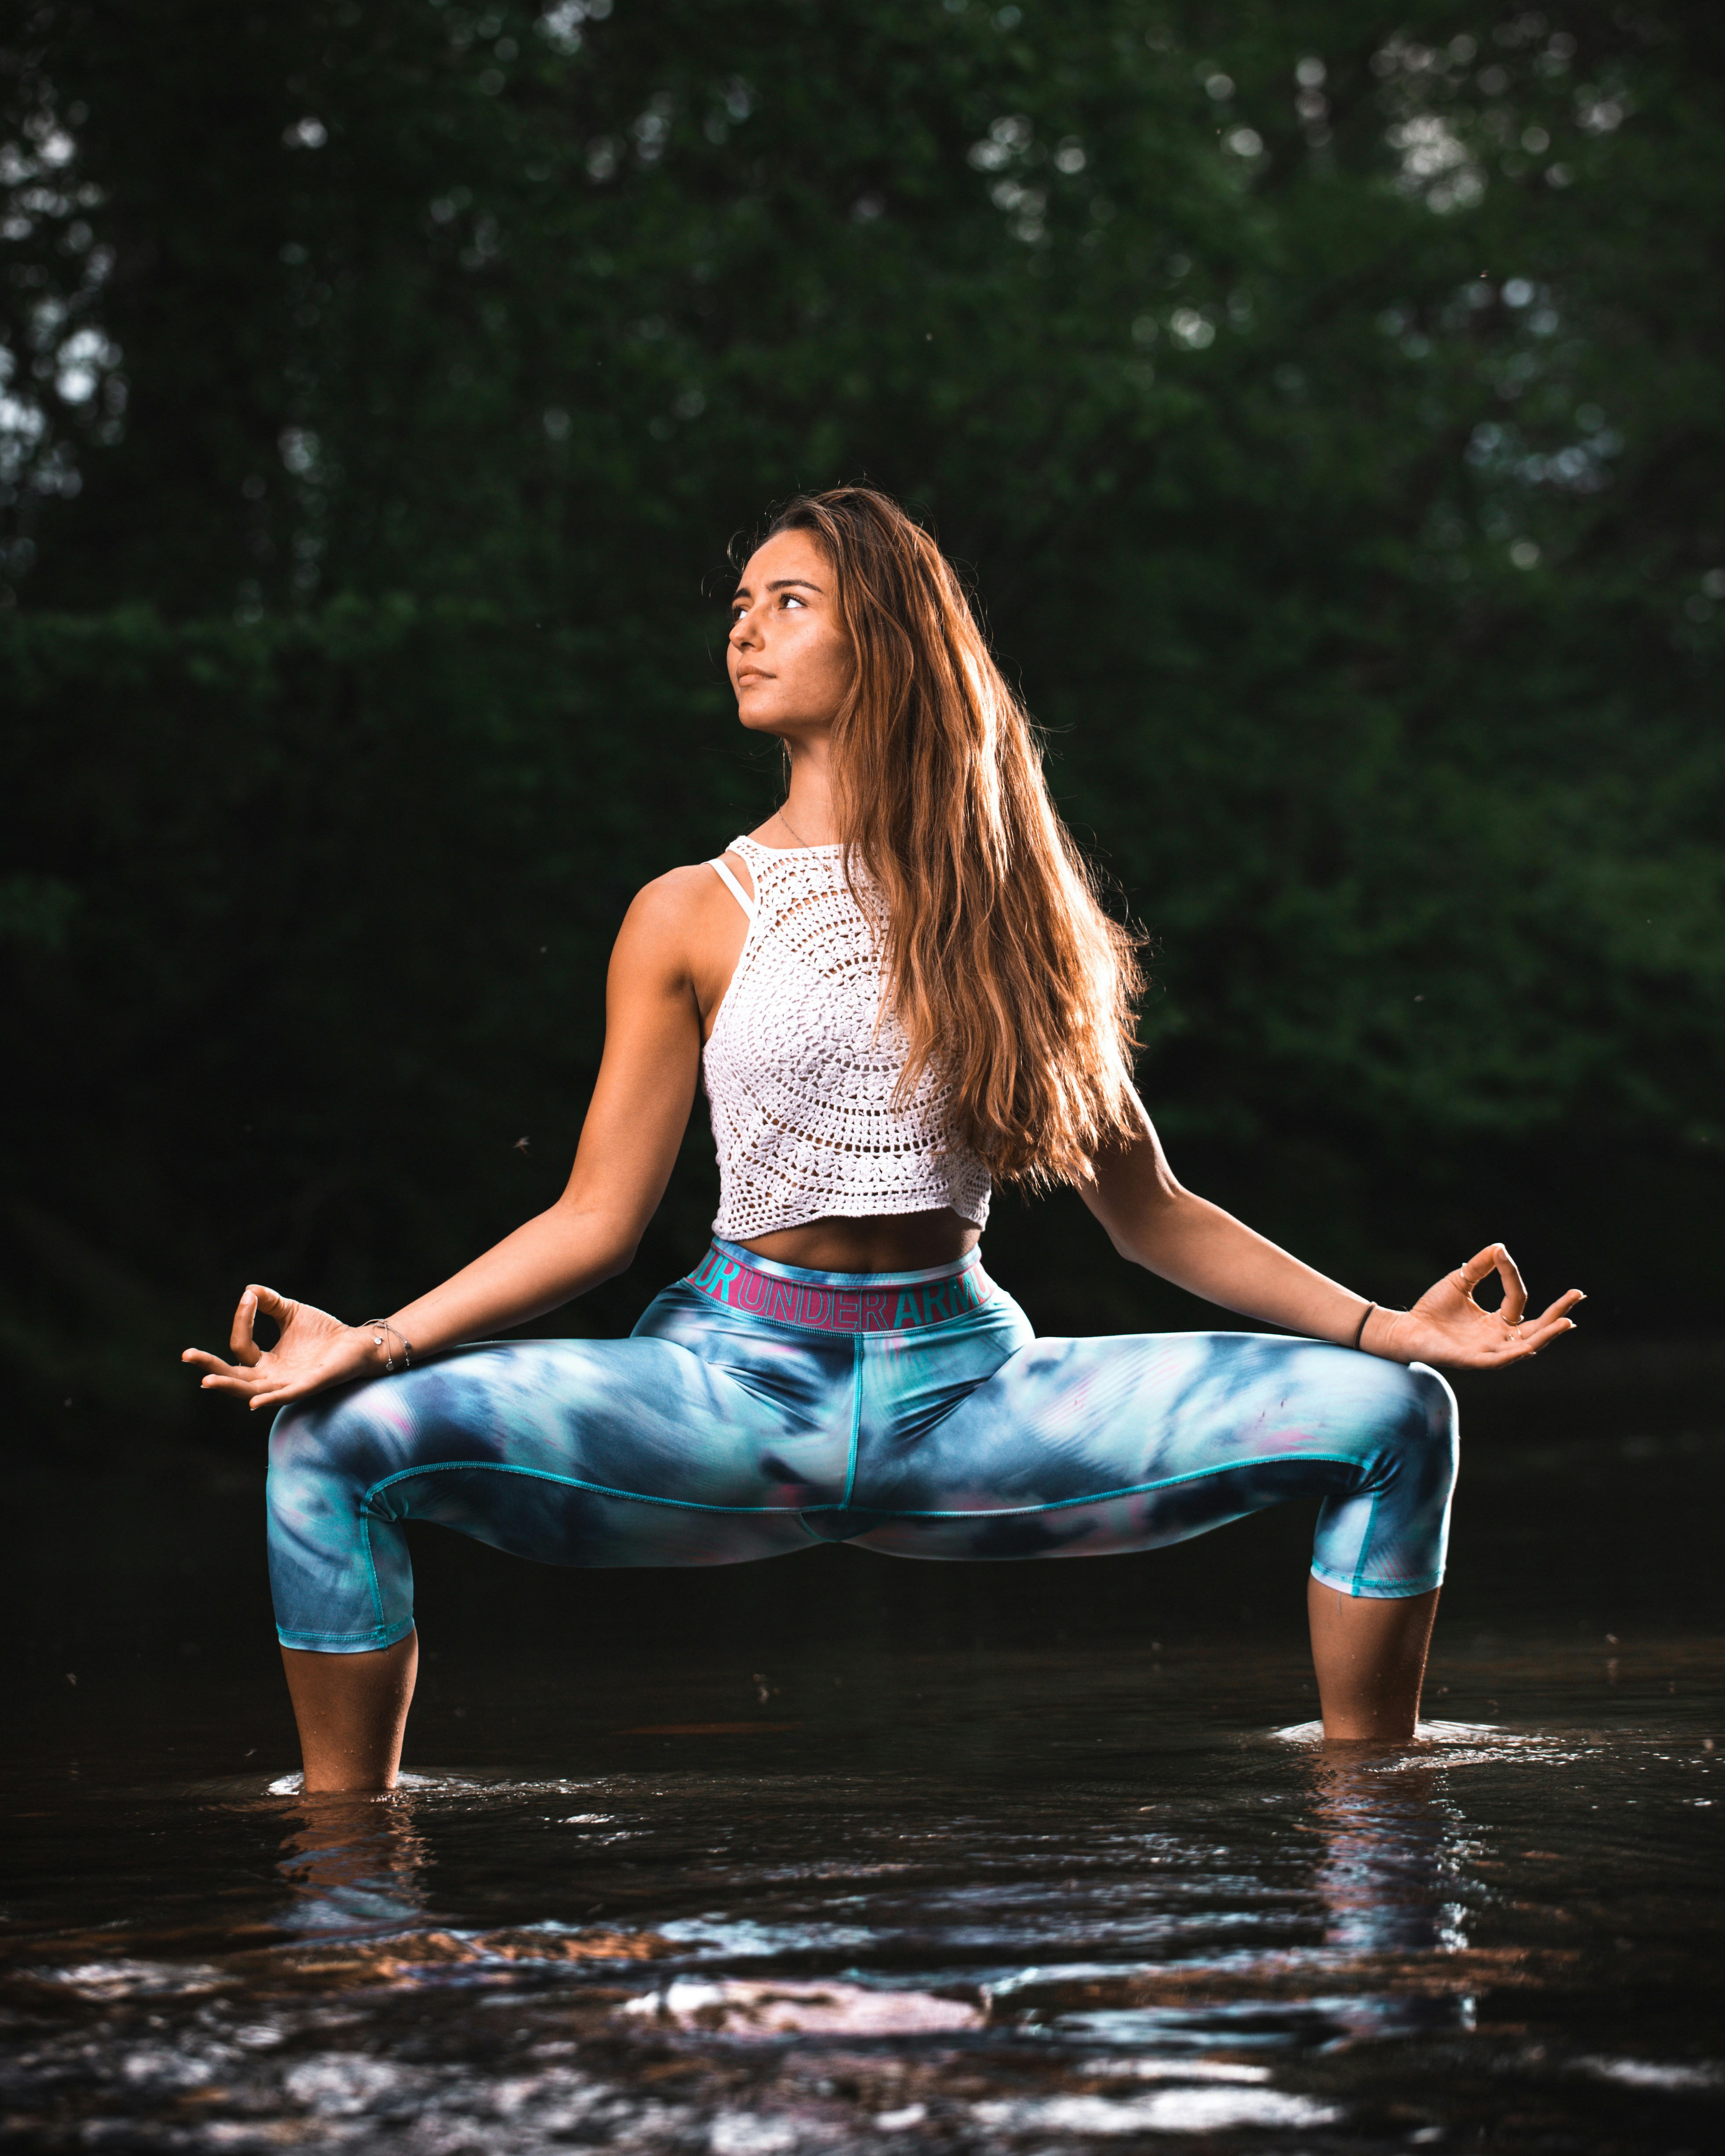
(1009, 980)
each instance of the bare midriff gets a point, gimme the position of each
(890, 1243)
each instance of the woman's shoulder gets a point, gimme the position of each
(685, 904)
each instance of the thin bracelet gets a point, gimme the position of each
(381, 1339)
(1359, 1331)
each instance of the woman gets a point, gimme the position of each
(899, 988)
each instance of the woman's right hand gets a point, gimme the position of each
(314, 1350)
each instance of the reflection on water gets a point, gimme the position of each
(1393, 1884)
(352, 1864)
(1003, 1894)
(1284, 1938)
(1389, 1874)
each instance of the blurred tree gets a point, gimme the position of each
(1328, 412)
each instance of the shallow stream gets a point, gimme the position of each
(845, 1853)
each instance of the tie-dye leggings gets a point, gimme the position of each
(714, 1435)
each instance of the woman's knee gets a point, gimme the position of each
(326, 1441)
(341, 1582)
(1427, 1424)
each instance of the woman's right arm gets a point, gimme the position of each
(668, 965)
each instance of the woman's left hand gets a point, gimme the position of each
(1447, 1326)
(314, 1350)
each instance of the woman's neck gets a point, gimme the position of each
(809, 815)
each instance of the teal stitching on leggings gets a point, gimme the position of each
(713, 1435)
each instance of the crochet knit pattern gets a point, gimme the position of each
(800, 1077)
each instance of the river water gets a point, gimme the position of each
(839, 1852)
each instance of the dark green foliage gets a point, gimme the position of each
(1341, 477)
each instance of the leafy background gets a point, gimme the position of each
(1324, 404)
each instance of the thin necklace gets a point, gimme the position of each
(794, 831)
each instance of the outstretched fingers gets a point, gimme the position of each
(1562, 1308)
(215, 1370)
(1534, 1333)
(220, 1377)
(241, 1384)
(1550, 1322)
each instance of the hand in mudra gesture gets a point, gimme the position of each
(1447, 1326)
(313, 1350)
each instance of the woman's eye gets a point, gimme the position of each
(792, 600)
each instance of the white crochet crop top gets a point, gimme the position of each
(800, 1078)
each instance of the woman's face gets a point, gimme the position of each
(790, 660)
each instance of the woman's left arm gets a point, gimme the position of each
(1155, 1222)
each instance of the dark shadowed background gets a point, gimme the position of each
(1324, 400)
(1324, 404)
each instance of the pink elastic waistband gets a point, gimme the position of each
(897, 1307)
